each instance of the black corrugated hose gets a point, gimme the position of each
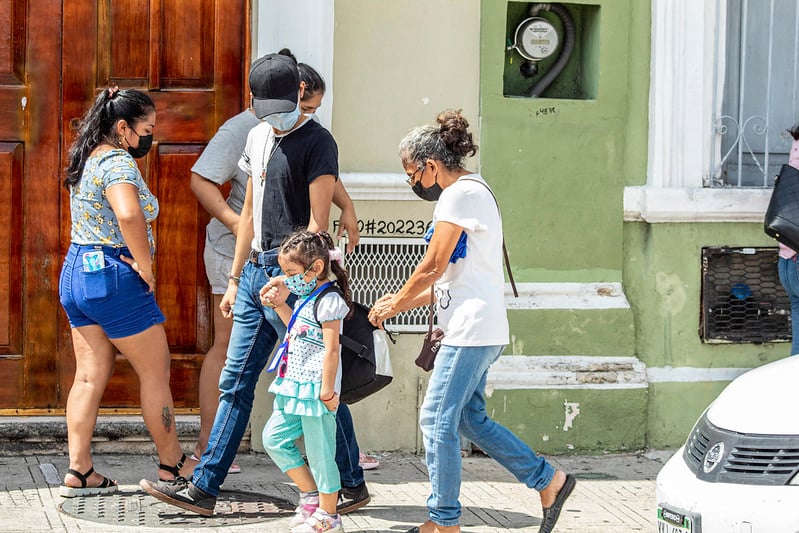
(565, 52)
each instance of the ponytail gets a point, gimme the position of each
(98, 124)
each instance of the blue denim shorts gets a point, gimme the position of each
(114, 297)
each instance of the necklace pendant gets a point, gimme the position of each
(263, 176)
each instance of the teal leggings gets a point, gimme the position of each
(319, 433)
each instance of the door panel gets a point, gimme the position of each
(29, 201)
(11, 362)
(189, 55)
(182, 286)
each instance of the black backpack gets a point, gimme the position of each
(365, 362)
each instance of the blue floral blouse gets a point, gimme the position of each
(93, 220)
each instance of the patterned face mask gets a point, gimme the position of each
(297, 284)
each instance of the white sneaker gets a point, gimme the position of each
(320, 522)
(304, 510)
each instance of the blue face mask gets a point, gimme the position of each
(296, 284)
(284, 121)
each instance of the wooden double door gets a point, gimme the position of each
(191, 56)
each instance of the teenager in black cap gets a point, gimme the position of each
(292, 163)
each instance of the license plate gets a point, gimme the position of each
(674, 521)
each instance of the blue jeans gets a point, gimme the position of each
(455, 404)
(255, 331)
(347, 451)
(789, 277)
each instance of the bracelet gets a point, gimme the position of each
(328, 399)
(231, 277)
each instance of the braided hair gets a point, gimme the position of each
(304, 247)
(99, 123)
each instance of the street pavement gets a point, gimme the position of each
(614, 493)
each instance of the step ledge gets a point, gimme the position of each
(112, 427)
(513, 372)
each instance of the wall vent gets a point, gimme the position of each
(381, 265)
(742, 298)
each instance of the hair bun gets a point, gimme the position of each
(454, 132)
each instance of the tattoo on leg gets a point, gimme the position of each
(166, 418)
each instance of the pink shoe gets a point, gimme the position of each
(367, 462)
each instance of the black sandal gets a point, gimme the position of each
(106, 487)
(174, 470)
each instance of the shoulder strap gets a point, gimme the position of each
(504, 249)
(296, 312)
(331, 286)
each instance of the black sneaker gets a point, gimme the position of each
(181, 493)
(352, 499)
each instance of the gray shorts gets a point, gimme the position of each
(217, 268)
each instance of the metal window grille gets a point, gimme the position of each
(742, 298)
(382, 265)
(759, 99)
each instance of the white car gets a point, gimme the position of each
(738, 472)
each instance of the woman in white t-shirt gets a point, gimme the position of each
(463, 266)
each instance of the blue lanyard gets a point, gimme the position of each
(283, 350)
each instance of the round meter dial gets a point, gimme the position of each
(536, 38)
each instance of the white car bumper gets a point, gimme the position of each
(726, 507)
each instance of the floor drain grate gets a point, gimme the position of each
(138, 509)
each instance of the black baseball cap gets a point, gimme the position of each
(274, 84)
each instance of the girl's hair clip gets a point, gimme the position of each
(335, 255)
(112, 91)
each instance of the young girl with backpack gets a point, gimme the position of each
(308, 382)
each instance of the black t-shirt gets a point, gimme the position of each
(300, 157)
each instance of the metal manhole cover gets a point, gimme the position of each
(136, 508)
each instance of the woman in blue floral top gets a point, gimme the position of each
(107, 283)
(308, 383)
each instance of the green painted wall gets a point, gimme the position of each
(561, 421)
(559, 166)
(662, 281)
(572, 331)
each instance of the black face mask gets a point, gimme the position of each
(430, 194)
(145, 143)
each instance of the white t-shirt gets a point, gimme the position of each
(253, 162)
(471, 294)
(262, 143)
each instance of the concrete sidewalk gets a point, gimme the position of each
(615, 493)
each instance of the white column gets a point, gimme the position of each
(306, 28)
(687, 39)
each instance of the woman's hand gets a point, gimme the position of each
(333, 402)
(145, 273)
(382, 310)
(274, 293)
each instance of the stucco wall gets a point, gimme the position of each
(559, 167)
(396, 66)
(663, 281)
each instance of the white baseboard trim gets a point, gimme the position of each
(694, 204)
(521, 372)
(386, 186)
(566, 372)
(687, 374)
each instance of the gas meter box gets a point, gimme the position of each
(551, 50)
